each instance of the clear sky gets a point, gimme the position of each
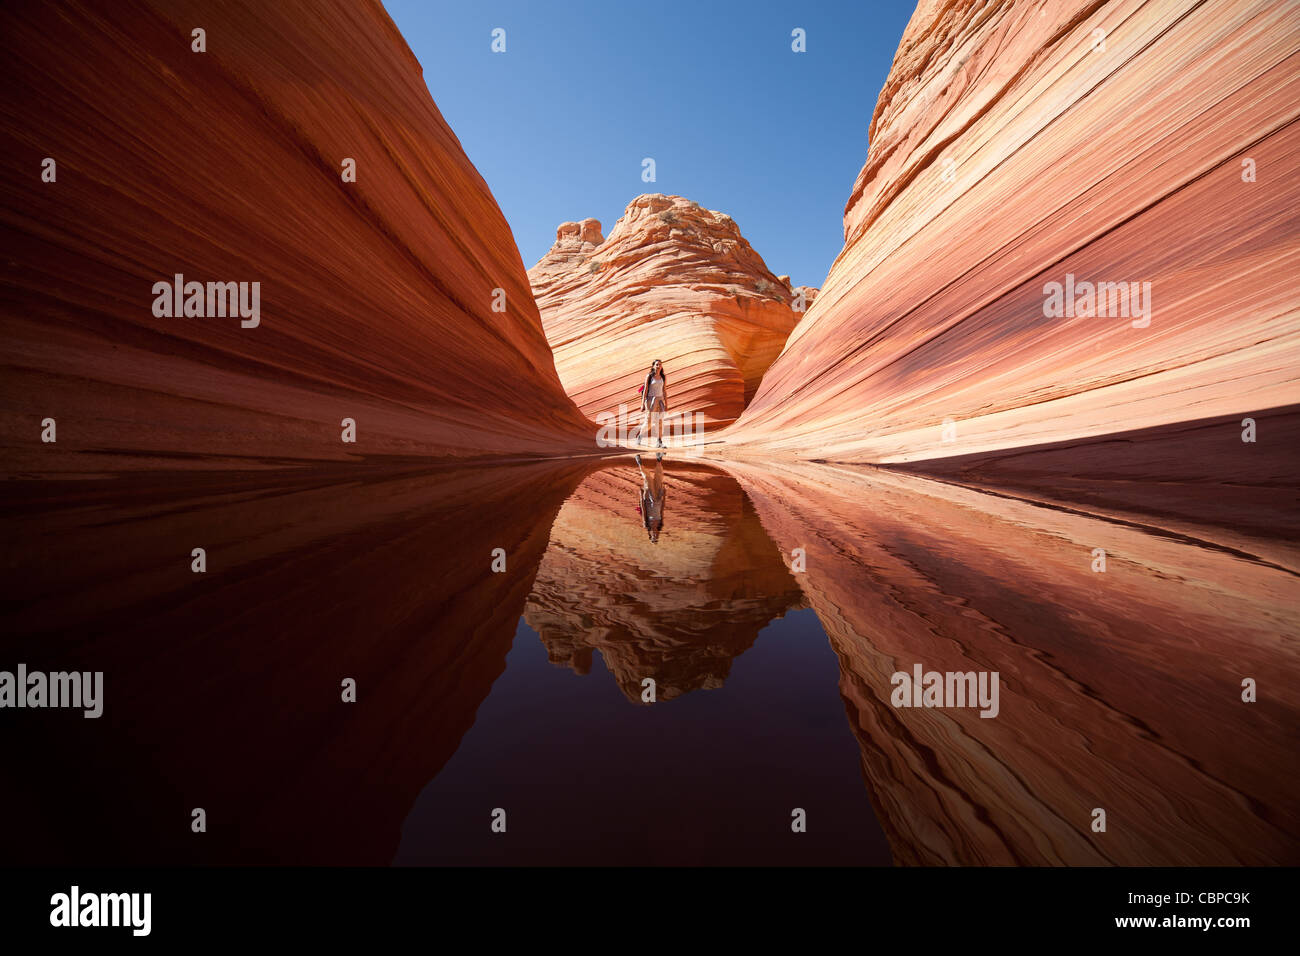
(560, 122)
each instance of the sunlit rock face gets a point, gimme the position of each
(677, 609)
(398, 300)
(1120, 684)
(673, 281)
(1017, 145)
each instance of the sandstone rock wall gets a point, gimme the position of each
(376, 297)
(1017, 143)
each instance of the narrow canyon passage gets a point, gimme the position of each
(866, 436)
(771, 611)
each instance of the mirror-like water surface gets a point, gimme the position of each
(767, 608)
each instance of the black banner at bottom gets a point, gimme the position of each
(235, 904)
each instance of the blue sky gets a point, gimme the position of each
(559, 123)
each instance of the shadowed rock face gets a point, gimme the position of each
(1196, 479)
(672, 281)
(1010, 148)
(1119, 690)
(376, 296)
(678, 610)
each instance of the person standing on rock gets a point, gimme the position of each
(654, 401)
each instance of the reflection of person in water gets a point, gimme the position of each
(654, 400)
(653, 494)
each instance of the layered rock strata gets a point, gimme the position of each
(1075, 219)
(397, 300)
(672, 281)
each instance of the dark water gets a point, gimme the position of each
(522, 689)
(746, 726)
(586, 776)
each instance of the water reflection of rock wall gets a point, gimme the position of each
(679, 610)
(1119, 690)
(222, 689)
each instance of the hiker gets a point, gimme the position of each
(654, 402)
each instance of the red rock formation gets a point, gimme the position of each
(1016, 143)
(376, 296)
(673, 281)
